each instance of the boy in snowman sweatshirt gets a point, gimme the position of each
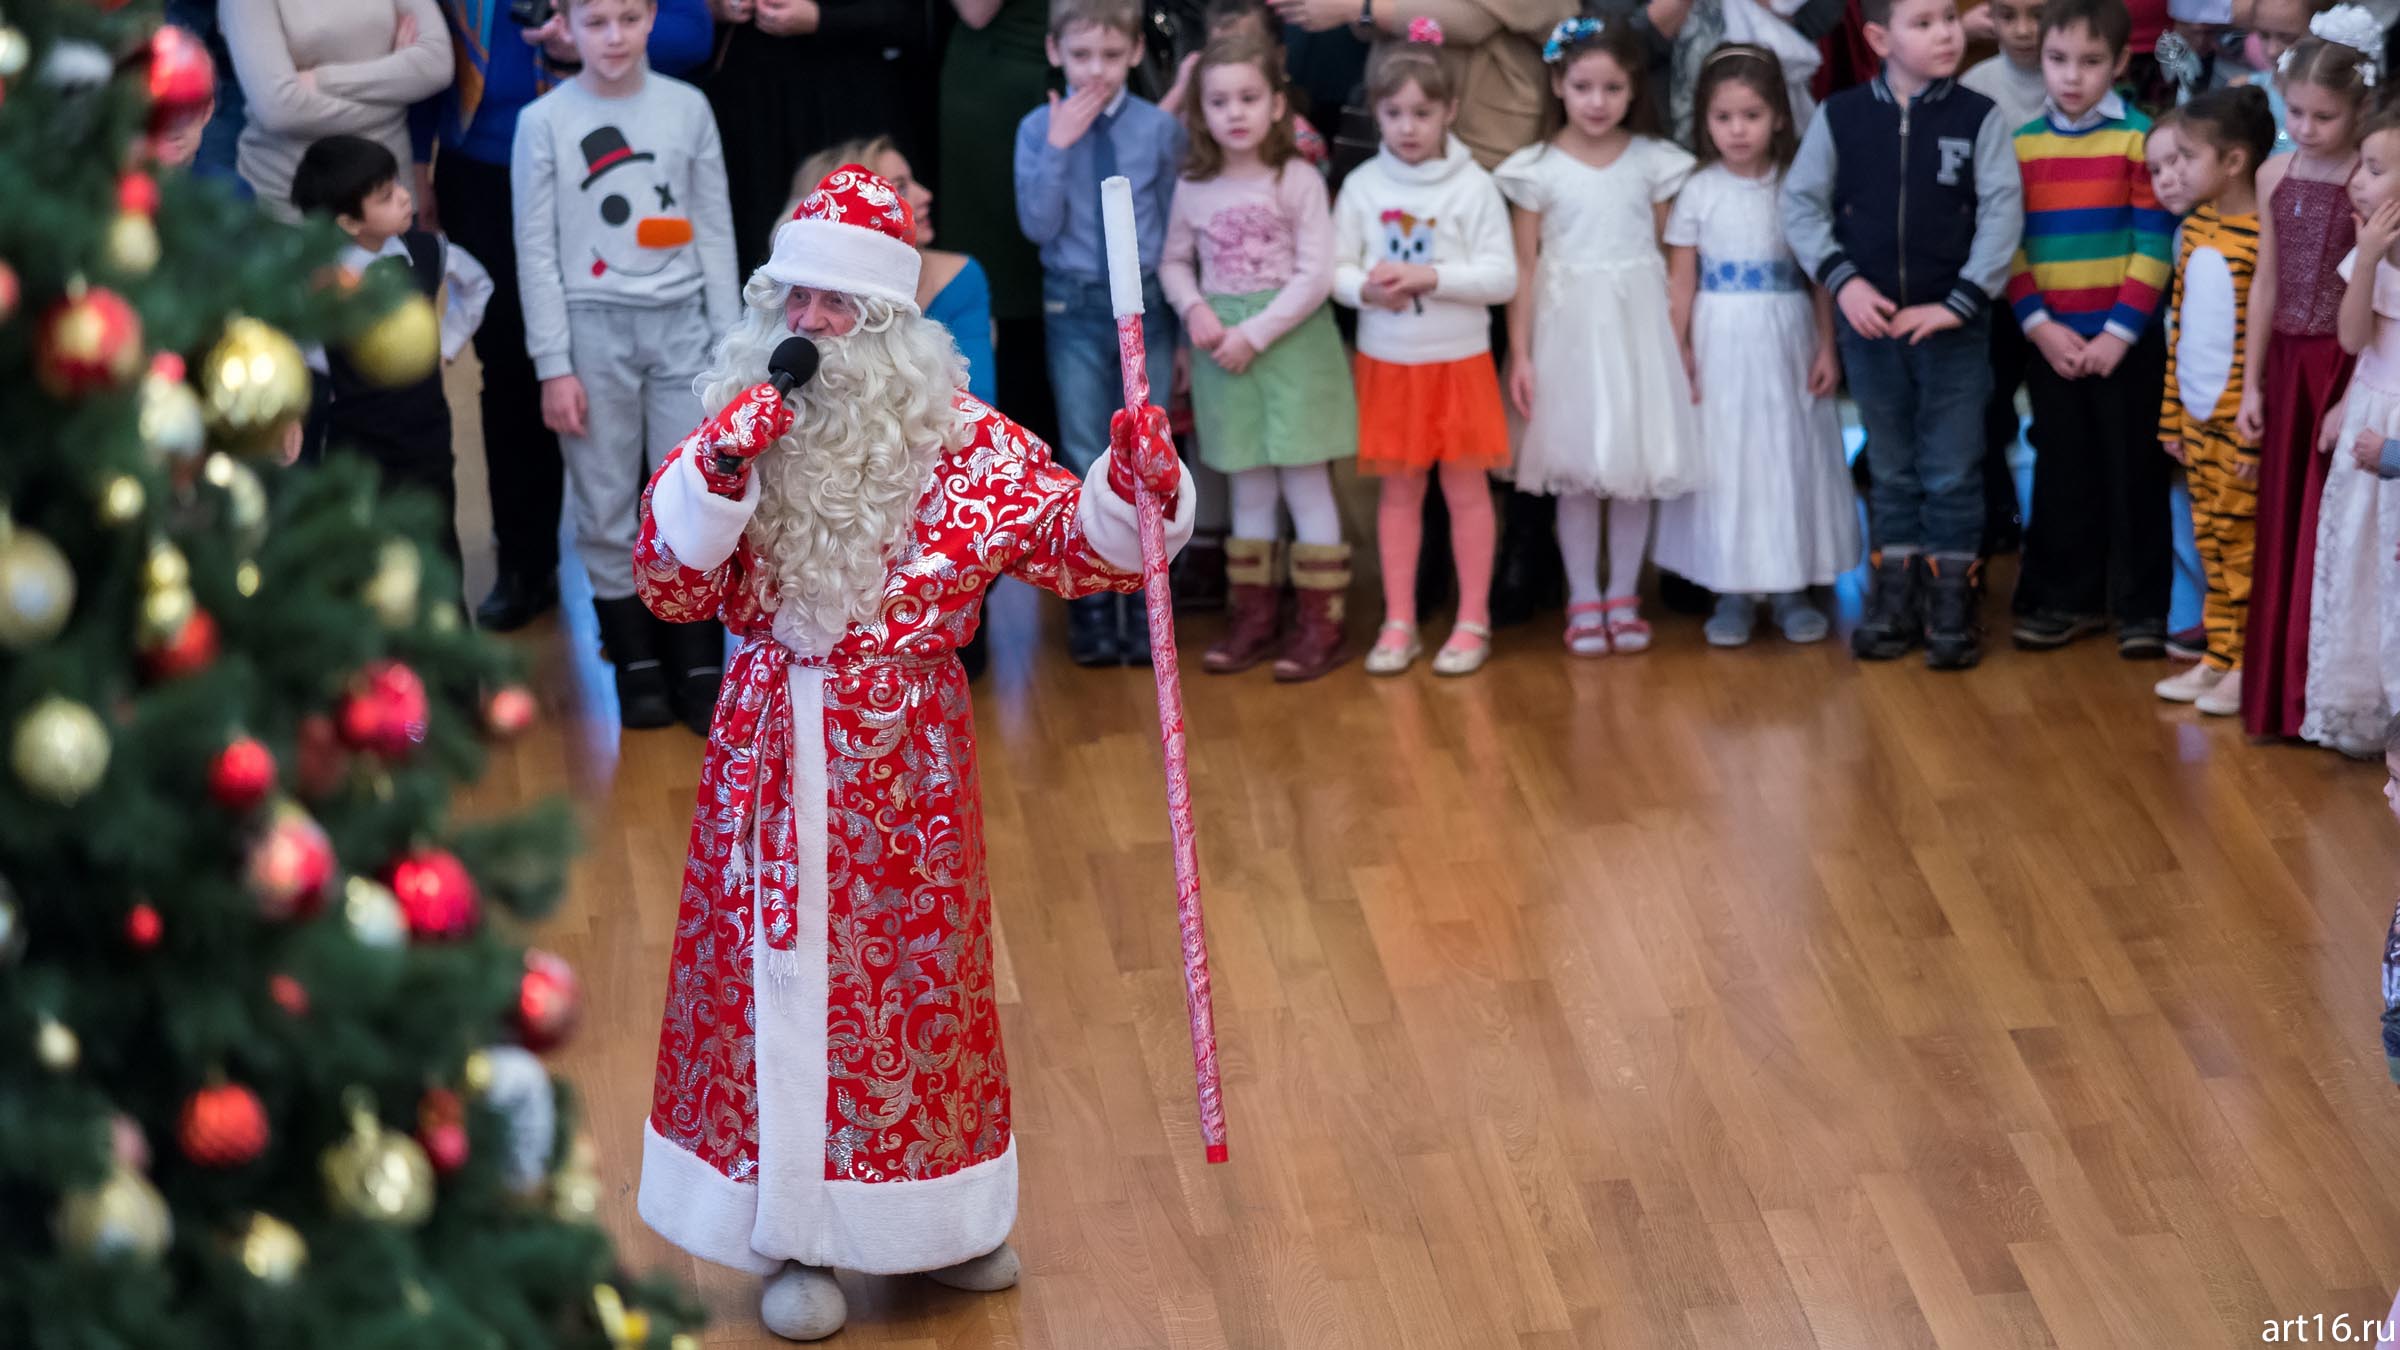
(626, 269)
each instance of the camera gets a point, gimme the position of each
(530, 13)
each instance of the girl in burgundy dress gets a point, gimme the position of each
(2303, 233)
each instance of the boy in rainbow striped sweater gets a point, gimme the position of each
(2085, 286)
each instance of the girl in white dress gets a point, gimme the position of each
(1592, 358)
(2354, 605)
(1777, 515)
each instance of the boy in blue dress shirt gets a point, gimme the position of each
(1097, 131)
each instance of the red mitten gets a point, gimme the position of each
(756, 419)
(1143, 453)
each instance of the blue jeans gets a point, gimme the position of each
(1080, 326)
(1922, 408)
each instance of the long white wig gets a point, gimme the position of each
(838, 492)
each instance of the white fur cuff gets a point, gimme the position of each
(699, 527)
(1113, 528)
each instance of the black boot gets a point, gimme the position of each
(516, 600)
(1528, 578)
(695, 655)
(1895, 616)
(1133, 629)
(629, 639)
(1092, 630)
(1953, 631)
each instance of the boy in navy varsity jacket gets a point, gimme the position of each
(1914, 260)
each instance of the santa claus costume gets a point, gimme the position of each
(831, 1091)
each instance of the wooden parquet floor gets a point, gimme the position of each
(1689, 1000)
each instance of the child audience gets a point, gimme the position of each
(1777, 515)
(2225, 135)
(2304, 233)
(1248, 266)
(1592, 364)
(1421, 249)
(1099, 130)
(2085, 287)
(1678, 328)
(625, 263)
(1905, 202)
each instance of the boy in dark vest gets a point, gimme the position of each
(406, 430)
(1905, 204)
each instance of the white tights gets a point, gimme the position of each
(1579, 544)
(1307, 491)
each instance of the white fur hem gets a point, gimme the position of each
(872, 1227)
(1112, 527)
(699, 527)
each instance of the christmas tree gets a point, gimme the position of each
(267, 1039)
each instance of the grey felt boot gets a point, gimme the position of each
(802, 1303)
(989, 1273)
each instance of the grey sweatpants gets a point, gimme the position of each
(637, 366)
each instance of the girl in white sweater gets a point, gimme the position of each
(1422, 250)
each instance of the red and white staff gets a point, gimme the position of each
(1125, 295)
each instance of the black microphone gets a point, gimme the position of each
(793, 364)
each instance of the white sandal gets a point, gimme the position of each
(1468, 647)
(1392, 658)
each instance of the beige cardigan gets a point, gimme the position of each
(314, 68)
(1503, 86)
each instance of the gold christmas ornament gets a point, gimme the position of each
(164, 613)
(131, 245)
(374, 914)
(444, 617)
(245, 579)
(626, 1328)
(684, 1340)
(245, 496)
(377, 1174)
(60, 750)
(166, 567)
(253, 384)
(15, 51)
(172, 425)
(55, 1045)
(476, 1074)
(121, 499)
(270, 1249)
(393, 591)
(122, 1216)
(402, 347)
(575, 1187)
(37, 588)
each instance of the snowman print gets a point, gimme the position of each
(642, 230)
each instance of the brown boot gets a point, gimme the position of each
(1321, 582)
(1250, 571)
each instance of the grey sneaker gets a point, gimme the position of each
(1800, 620)
(1731, 625)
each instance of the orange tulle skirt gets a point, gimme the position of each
(1415, 417)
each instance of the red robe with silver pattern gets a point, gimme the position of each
(849, 1106)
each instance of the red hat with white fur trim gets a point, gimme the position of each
(855, 235)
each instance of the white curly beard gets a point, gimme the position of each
(838, 493)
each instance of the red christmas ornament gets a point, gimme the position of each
(183, 79)
(192, 649)
(321, 762)
(509, 711)
(385, 711)
(436, 895)
(8, 292)
(223, 1126)
(289, 994)
(143, 927)
(242, 775)
(442, 1130)
(137, 192)
(548, 1001)
(90, 340)
(290, 866)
